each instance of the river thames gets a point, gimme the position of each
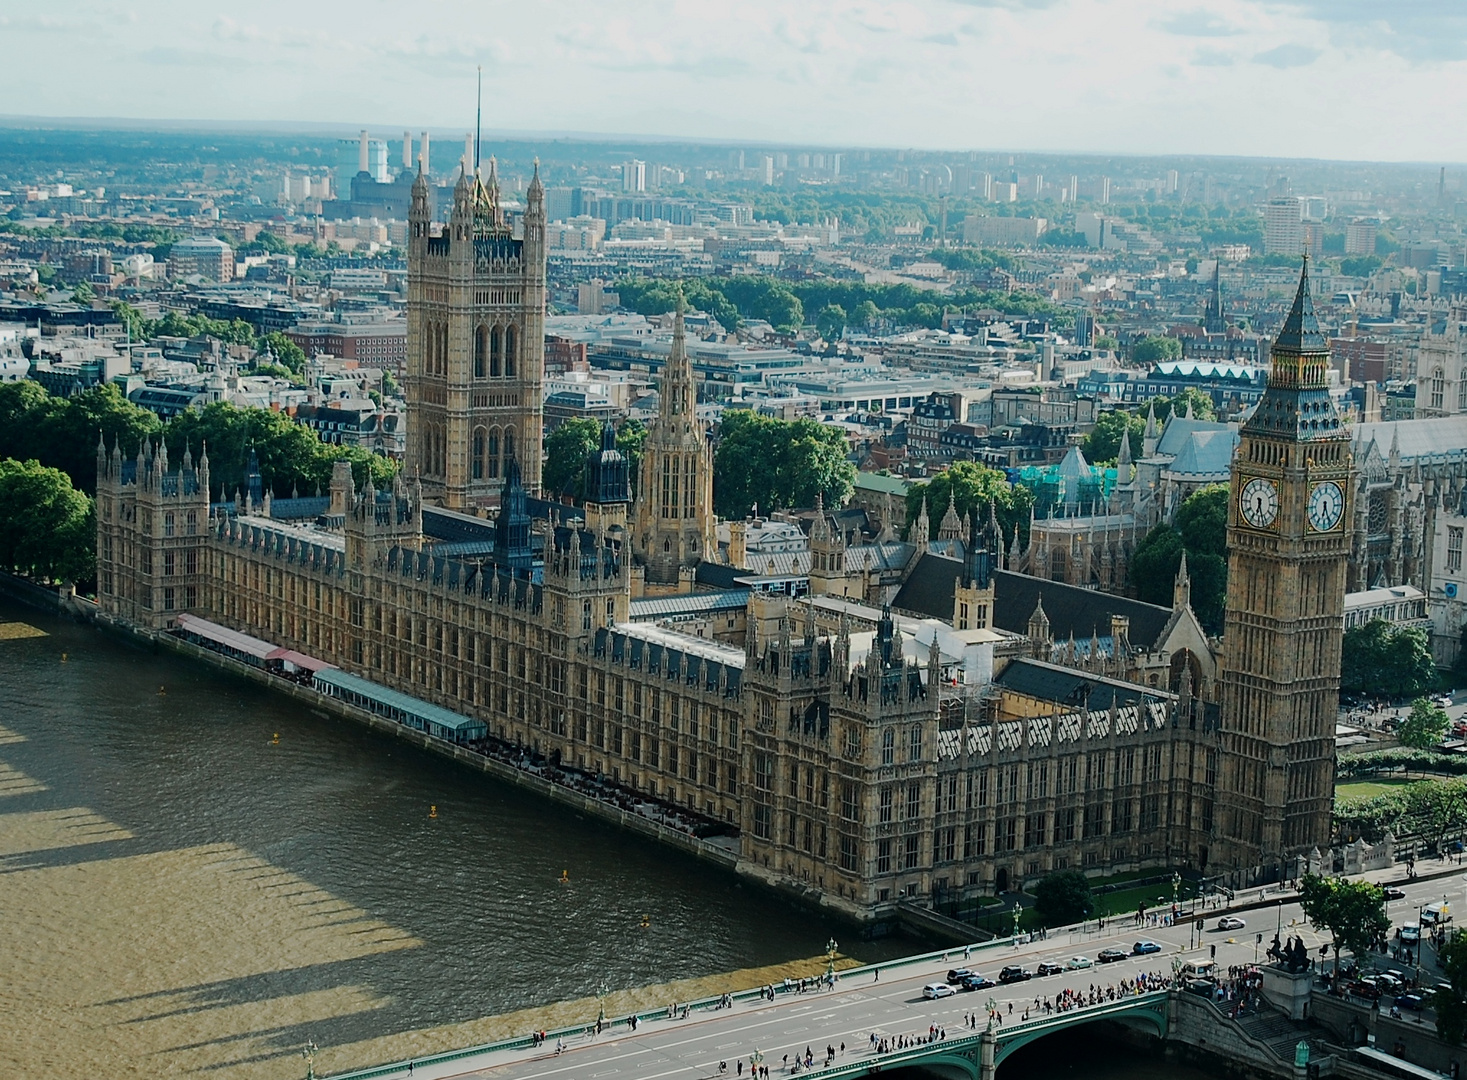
(199, 875)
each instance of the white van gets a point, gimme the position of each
(1199, 969)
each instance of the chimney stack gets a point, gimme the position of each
(423, 155)
(407, 151)
(468, 152)
(362, 152)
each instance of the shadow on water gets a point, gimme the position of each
(182, 757)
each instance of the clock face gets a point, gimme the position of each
(1259, 503)
(1326, 506)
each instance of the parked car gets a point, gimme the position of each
(1141, 948)
(1048, 968)
(975, 982)
(1110, 956)
(1230, 922)
(1014, 973)
(957, 975)
(933, 991)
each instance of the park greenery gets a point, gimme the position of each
(1424, 725)
(1382, 660)
(971, 488)
(568, 447)
(1063, 897)
(47, 531)
(790, 305)
(1156, 349)
(285, 353)
(1434, 810)
(1352, 911)
(778, 464)
(1449, 1001)
(1200, 531)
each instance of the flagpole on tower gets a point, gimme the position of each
(479, 120)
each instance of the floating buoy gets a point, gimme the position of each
(565, 877)
(433, 810)
(162, 691)
(646, 921)
(63, 658)
(275, 739)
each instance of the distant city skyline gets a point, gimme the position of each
(1297, 78)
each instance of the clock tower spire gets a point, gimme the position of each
(1288, 542)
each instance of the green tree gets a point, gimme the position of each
(1156, 349)
(1201, 532)
(972, 488)
(778, 464)
(1385, 660)
(566, 451)
(1450, 1002)
(287, 352)
(1200, 402)
(1062, 897)
(131, 318)
(830, 321)
(83, 293)
(1352, 911)
(1202, 519)
(1103, 442)
(46, 527)
(1107, 341)
(1424, 727)
(866, 313)
(629, 440)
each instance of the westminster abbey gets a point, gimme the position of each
(898, 721)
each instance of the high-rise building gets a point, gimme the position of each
(476, 341)
(1360, 238)
(766, 170)
(1288, 544)
(1283, 226)
(634, 175)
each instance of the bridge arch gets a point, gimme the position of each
(1149, 1019)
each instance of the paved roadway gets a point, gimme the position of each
(691, 1049)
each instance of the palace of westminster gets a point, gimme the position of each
(893, 720)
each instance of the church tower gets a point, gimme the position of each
(674, 523)
(476, 342)
(1288, 543)
(1214, 315)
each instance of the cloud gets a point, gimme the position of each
(1213, 58)
(1197, 24)
(1429, 30)
(945, 38)
(1288, 56)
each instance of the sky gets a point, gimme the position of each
(1357, 79)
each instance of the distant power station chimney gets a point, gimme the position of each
(407, 151)
(362, 152)
(423, 155)
(468, 151)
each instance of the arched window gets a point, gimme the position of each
(1438, 388)
(476, 462)
(508, 443)
(491, 454)
(481, 352)
(1462, 390)
(510, 339)
(496, 351)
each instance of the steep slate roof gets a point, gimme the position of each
(1050, 682)
(1300, 332)
(1207, 453)
(1178, 431)
(930, 587)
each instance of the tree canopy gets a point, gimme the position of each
(1385, 660)
(566, 451)
(1156, 349)
(778, 464)
(1062, 897)
(1352, 911)
(1200, 531)
(1424, 726)
(971, 487)
(46, 527)
(1102, 445)
(1450, 1002)
(62, 432)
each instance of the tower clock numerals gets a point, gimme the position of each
(1326, 506)
(1259, 502)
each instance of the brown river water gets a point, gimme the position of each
(197, 876)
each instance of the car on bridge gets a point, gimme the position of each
(1230, 922)
(1048, 968)
(1076, 963)
(957, 975)
(975, 982)
(1141, 948)
(1014, 973)
(1110, 956)
(933, 991)
(1393, 893)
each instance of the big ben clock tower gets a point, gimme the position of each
(1288, 541)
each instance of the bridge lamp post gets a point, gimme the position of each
(830, 948)
(309, 1053)
(1176, 885)
(1018, 914)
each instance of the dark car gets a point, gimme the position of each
(1013, 974)
(1048, 968)
(974, 982)
(1110, 956)
(1394, 894)
(1200, 987)
(1363, 988)
(957, 975)
(1413, 1002)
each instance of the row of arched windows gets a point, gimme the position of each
(496, 352)
(435, 450)
(490, 451)
(435, 354)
